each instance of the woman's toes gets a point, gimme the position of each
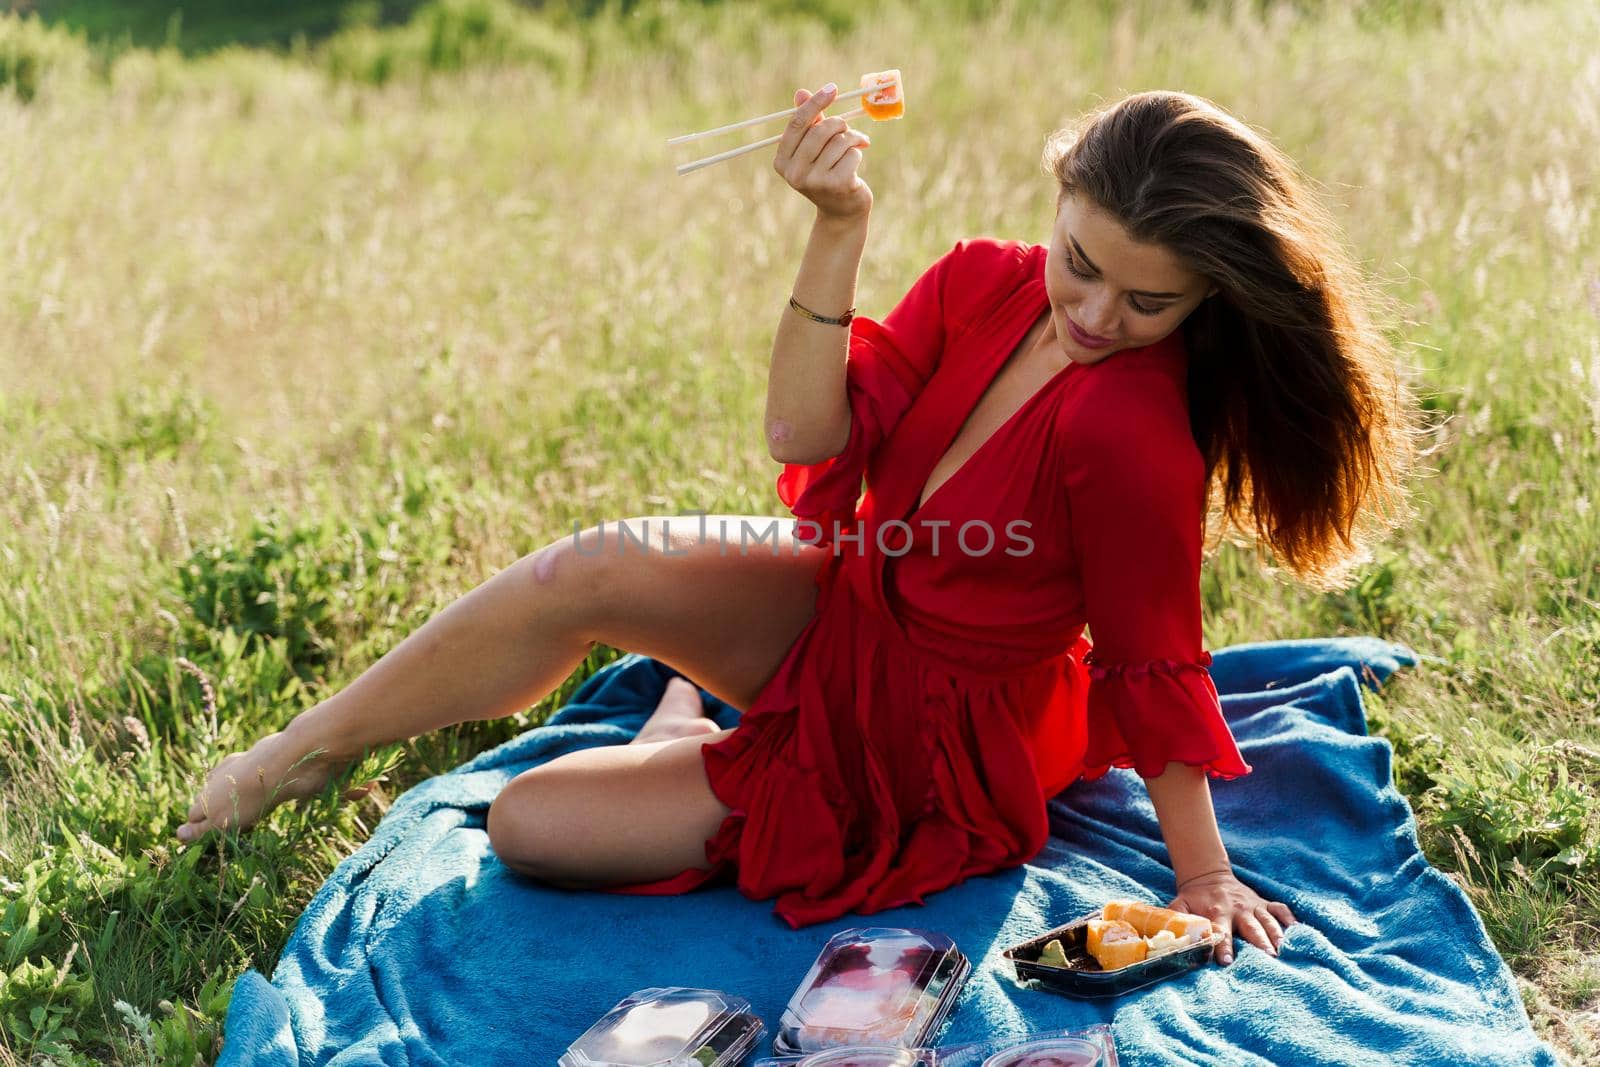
(680, 698)
(700, 726)
(679, 713)
(681, 689)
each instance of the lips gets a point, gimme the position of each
(1087, 340)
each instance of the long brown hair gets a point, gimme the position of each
(1305, 418)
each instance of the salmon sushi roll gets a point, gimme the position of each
(1116, 944)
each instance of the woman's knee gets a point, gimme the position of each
(521, 831)
(576, 575)
(608, 815)
(596, 570)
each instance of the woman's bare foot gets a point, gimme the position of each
(245, 786)
(680, 714)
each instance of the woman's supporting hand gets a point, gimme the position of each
(241, 789)
(1234, 908)
(819, 157)
(1181, 796)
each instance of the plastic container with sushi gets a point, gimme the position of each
(1089, 1047)
(1125, 946)
(859, 1056)
(876, 986)
(669, 1027)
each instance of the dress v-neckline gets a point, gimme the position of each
(1043, 305)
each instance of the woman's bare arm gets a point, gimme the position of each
(1182, 800)
(808, 413)
(808, 409)
(1206, 882)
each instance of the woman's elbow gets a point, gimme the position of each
(786, 445)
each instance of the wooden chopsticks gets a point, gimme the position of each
(685, 168)
(882, 95)
(759, 119)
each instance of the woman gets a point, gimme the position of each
(1040, 428)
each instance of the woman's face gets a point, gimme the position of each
(1118, 292)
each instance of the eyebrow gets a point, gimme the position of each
(1136, 292)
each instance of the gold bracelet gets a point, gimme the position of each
(843, 320)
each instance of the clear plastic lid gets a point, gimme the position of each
(857, 1056)
(1048, 1052)
(880, 986)
(1092, 1046)
(669, 1027)
(861, 1057)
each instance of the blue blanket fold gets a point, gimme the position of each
(423, 948)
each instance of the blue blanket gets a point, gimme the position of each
(423, 948)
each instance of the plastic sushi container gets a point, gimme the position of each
(1083, 976)
(874, 987)
(1089, 1047)
(858, 1056)
(669, 1027)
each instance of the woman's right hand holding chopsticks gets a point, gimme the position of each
(819, 158)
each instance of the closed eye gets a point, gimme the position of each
(1072, 268)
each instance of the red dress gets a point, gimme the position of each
(944, 689)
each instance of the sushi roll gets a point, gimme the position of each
(1145, 918)
(1150, 920)
(1096, 933)
(1189, 929)
(885, 97)
(1118, 945)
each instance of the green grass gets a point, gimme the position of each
(296, 347)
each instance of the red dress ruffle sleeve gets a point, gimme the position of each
(1135, 486)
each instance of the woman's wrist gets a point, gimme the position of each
(1204, 877)
(847, 225)
(313, 731)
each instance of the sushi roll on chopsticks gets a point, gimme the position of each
(882, 96)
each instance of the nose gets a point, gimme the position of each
(1099, 318)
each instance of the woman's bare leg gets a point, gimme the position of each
(612, 815)
(621, 813)
(723, 614)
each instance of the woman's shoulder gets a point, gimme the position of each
(1133, 403)
(982, 271)
(1150, 379)
(984, 254)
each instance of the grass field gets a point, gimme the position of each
(298, 346)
